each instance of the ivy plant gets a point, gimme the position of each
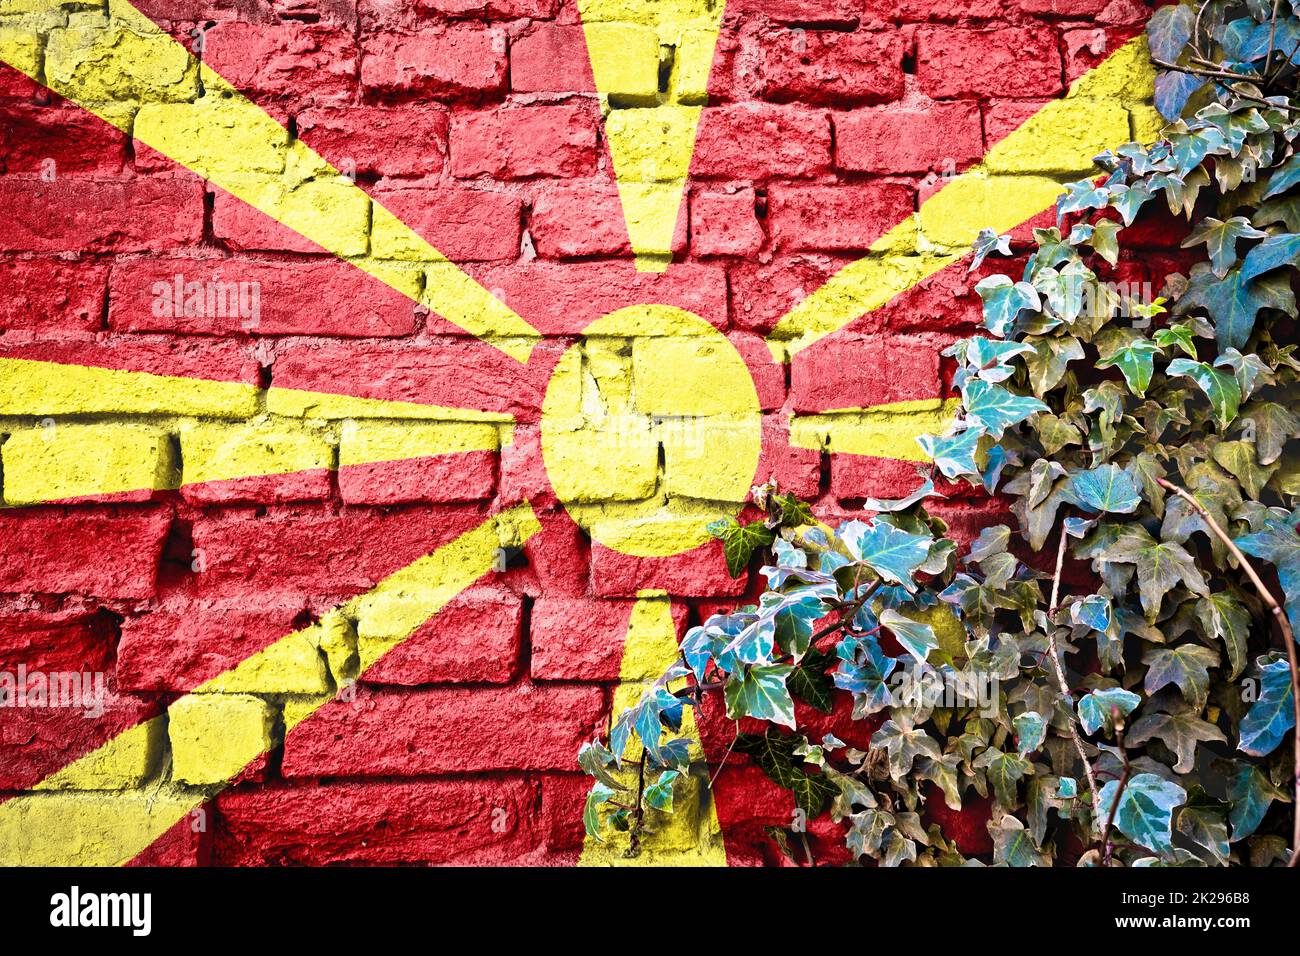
(1109, 676)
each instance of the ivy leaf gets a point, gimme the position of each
(1105, 241)
(1003, 771)
(1144, 811)
(1278, 542)
(760, 692)
(863, 670)
(1274, 425)
(1168, 31)
(1234, 301)
(893, 554)
(739, 542)
(1251, 793)
(1227, 619)
(1160, 565)
(1094, 611)
(1186, 665)
(1179, 732)
(995, 408)
(598, 794)
(954, 455)
(1205, 823)
(1050, 359)
(659, 795)
(1031, 731)
(1096, 708)
(1273, 253)
(987, 242)
(1270, 717)
(1012, 843)
(810, 683)
(1179, 335)
(1222, 390)
(1238, 458)
(775, 755)
(1004, 300)
(594, 758)
(917, 638)
(1106, 488)
(1220, 239)
(903, 744)
(1283, 178)
(1136, 361)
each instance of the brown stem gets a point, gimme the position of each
(1064, 685)
(1288, 638)
(638, 816)
(1119, 792)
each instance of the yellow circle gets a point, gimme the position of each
(650, 430)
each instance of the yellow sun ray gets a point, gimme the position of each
(225, 430)
(691, 835)
(126, 70)
(882, 431)
(651, 130)
(1103, 109)
(77, 817)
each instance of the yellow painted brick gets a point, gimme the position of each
(333, 213)
(21, 49)
(1126, 76)
(87, 829)
(213, 451)
(29, 387)
(886, 431)
(1054, 141)
(291, 665)
(91, 55)
(673, 12)
(59, 461)
(616, 463)
(187, 133)
(1146, 124)
(652, 144)
(956, 213)
(124, 764)
(214, 736)
(625, 58)
(719, 381)
(692, 64)
(368, 441)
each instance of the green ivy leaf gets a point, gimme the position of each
(893, 554)
(1144, 810)
(995, 408)
(1273, 253)
(1227, 619)
(1031, 731)
(1097, 708)
(1278, 542)
(903, 744)
(954, 454)
(1004, 300)
(1220, 239)
(760, 692)
(739, 542)
(659, 795)
(598, 794)
(1186, 666)
(1136, 361)
(1180, 732)
(1106, 488)
(810, 683)
(775, 755)
(1250, 793)
(1178, 336)
(1272, 715)
(1160, 565)
(917, 639)
(1235, 300)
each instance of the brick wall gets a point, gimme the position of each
(476, 122)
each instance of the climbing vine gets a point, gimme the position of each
(1109, 675)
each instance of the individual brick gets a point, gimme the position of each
(829, 68)
(836, 217)
(959, 62)
(461, 223)
(52, 294)
(62, 462)
(892, 370)
(552, 58)
(759, 141)
(306, 62)
(53, 141)
(260, 462)
(555, 141)
(725, 224)
(940, 137)
(149, 213)
(215, 736)
(458, 61)
(388, 463)
(410, 141)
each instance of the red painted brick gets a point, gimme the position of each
(70, 640)
(796, 471)
(446, 731)
(458, 373)
(724, 224)
(463, 476)
(768, 374)
(584, 219)
(957, 62)
(555, 563)
(564, 298)
(243, 228)
(160, 355)
(493, 9)
(1073, 9)
(551, 59)
(760, 141)
(49, 294)
(862, 476)
(310, 484)
(461, 223)
(179, 646)
(74, 214)
(99, 552)
(579, 638)
(533, 141)
(473, 640)
(309, 551)
(836, 217)
(763, 292)
(443, 63)
(474, 822)
(938, 137)
(288, 295)
(16, 85)
(563, 796)
(890, 369)
(698, 573)
(308, 62)
(827, 67)
(411, 141)
(53, 141)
